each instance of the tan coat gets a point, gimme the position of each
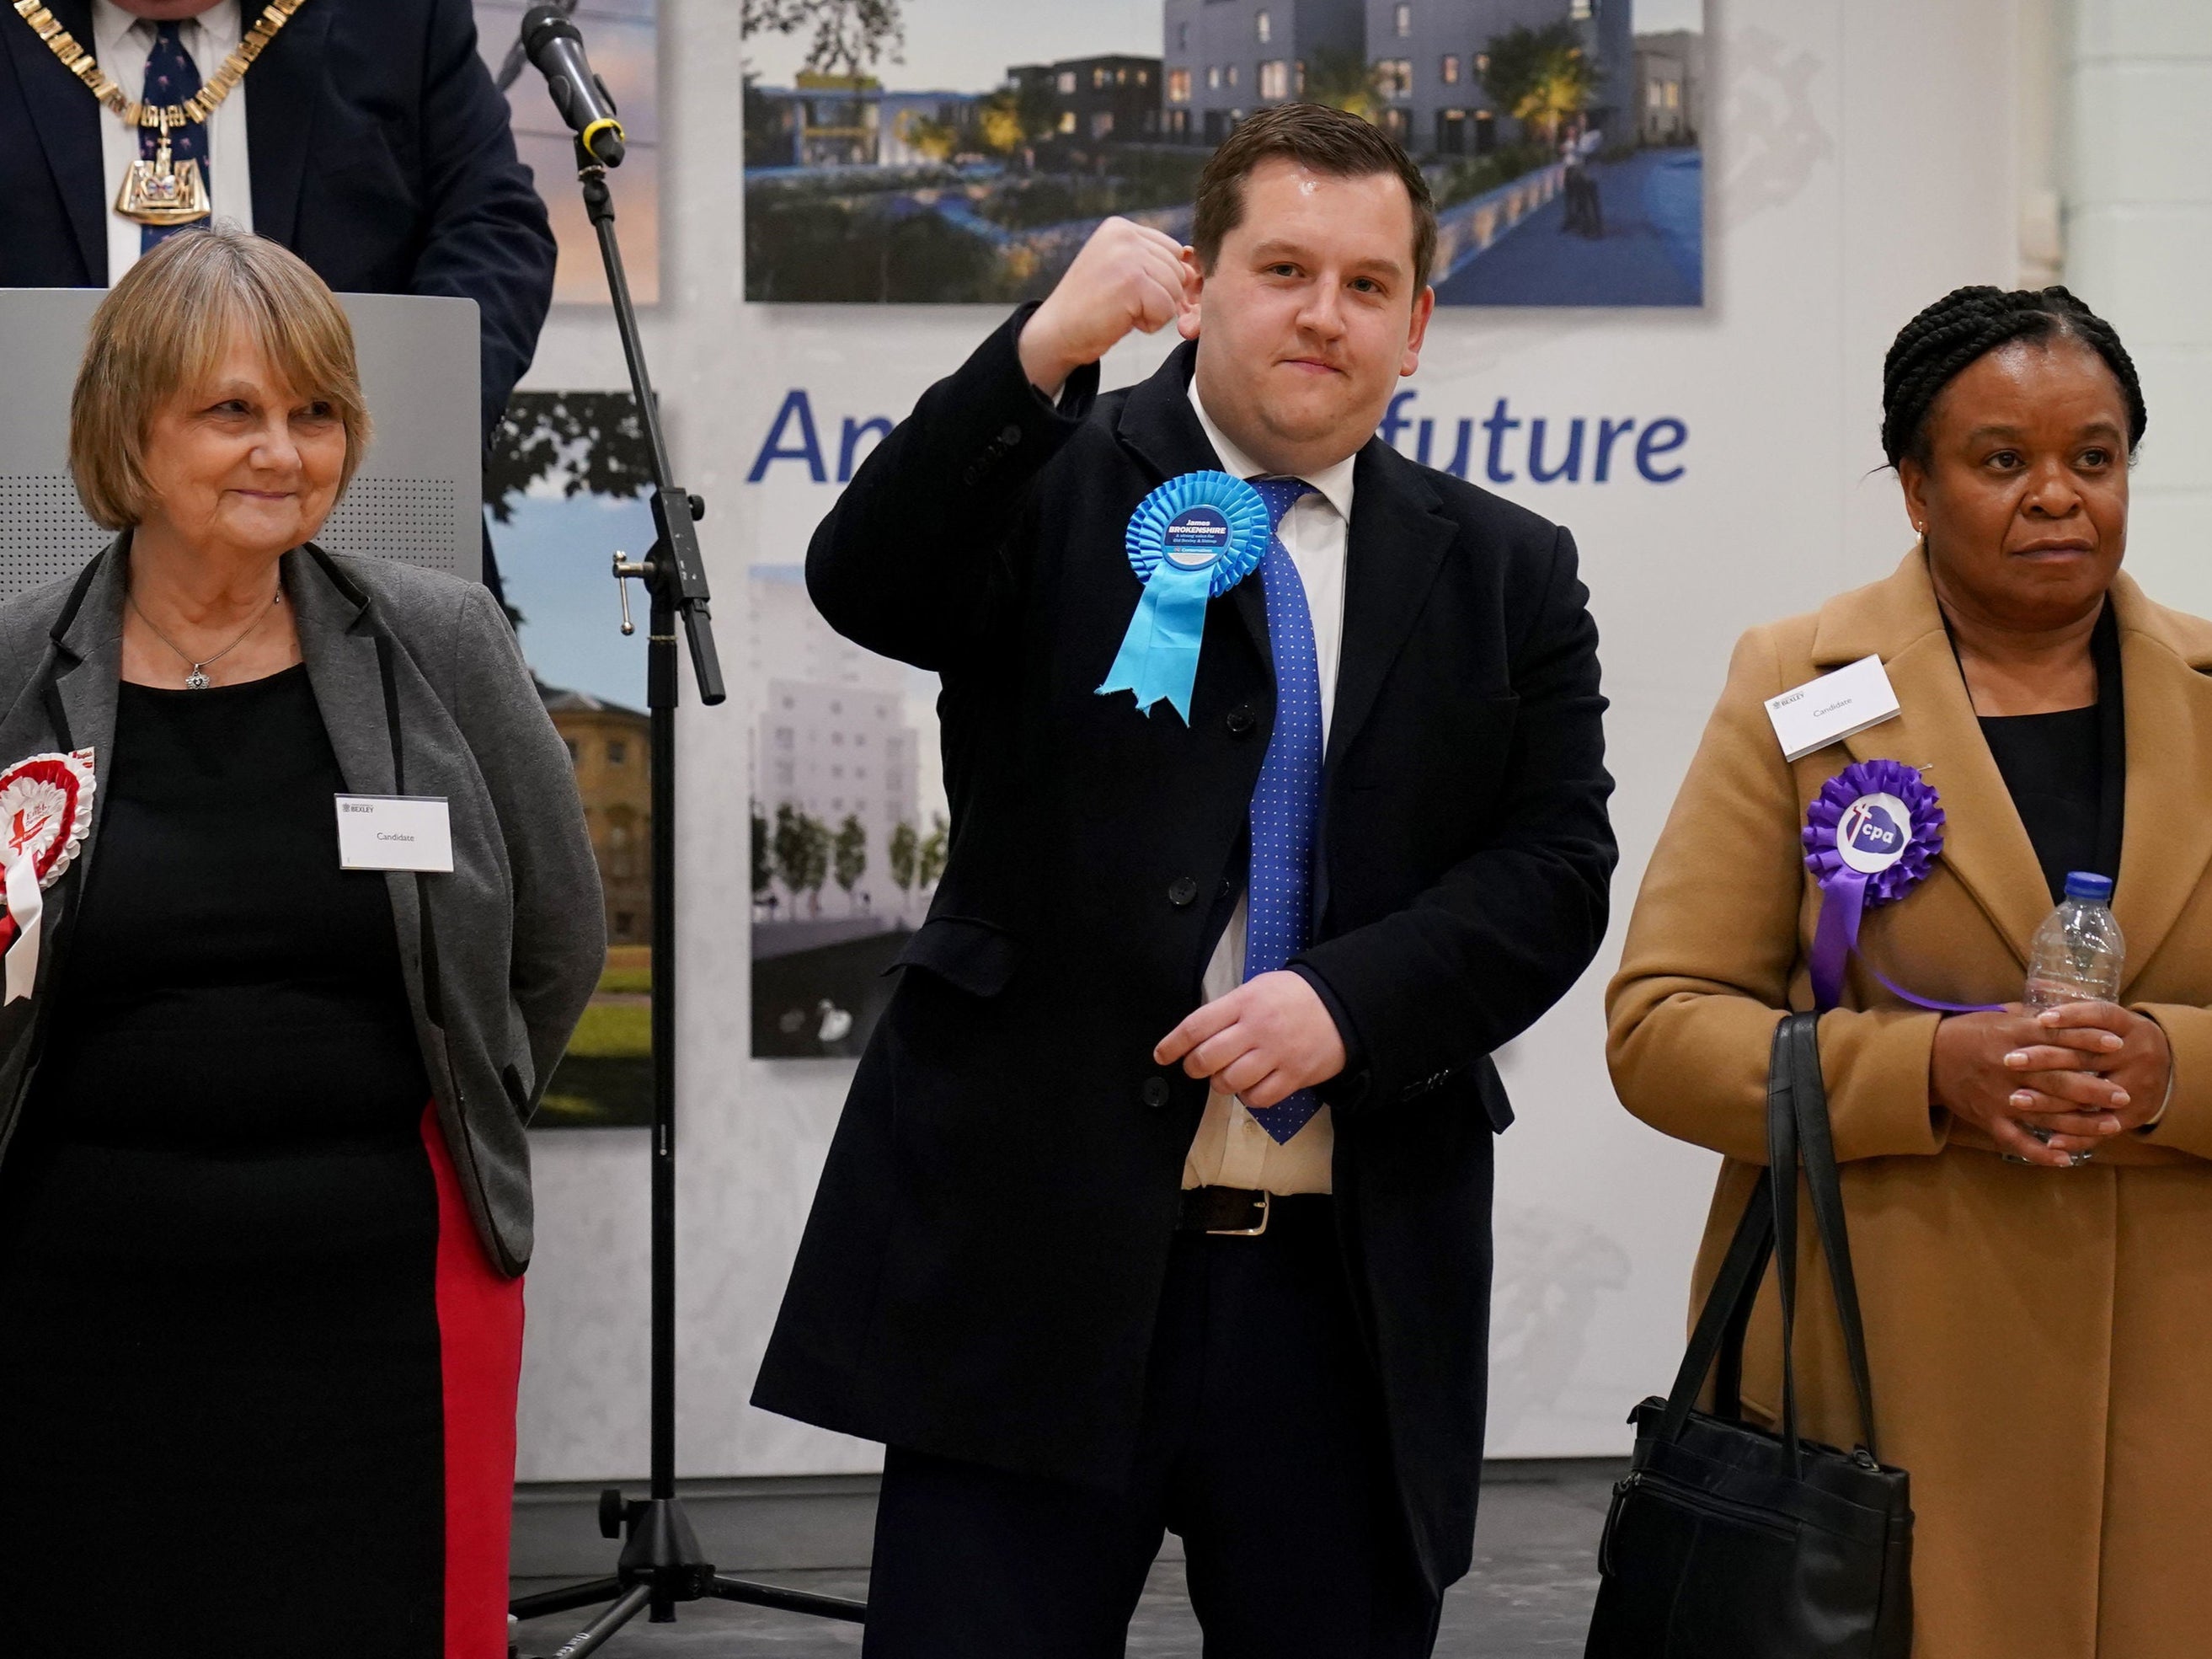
(2041, 1339)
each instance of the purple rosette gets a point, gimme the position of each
(1871, 836)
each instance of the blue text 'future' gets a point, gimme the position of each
(1537, 448)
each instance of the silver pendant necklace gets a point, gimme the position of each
(197, 680)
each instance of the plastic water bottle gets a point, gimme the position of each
(2078, 951)
(2076, 956)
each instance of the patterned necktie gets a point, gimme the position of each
(172, 78)
(1288, 798)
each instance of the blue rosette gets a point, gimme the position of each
(1191, 540)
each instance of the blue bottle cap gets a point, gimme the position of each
(2088, 884)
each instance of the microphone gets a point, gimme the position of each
(557, 49)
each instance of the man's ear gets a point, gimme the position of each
(1194, 288)
(1425, 305)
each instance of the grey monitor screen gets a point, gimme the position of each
(418, 495)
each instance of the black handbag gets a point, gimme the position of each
(1725, 1541)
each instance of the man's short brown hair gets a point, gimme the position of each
(164, 328)
(1322, 140)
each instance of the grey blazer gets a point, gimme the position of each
(424, 692)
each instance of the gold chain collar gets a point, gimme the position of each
(197, 107)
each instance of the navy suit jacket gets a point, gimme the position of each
(981, 1272)
(381, 156)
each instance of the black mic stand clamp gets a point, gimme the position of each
(661, 1562)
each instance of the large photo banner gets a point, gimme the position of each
(921, 150)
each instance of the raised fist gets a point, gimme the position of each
(1127, 277)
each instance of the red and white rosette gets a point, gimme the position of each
(46, 807)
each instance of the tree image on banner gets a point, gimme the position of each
(1543, 75)
(848, 856)
(764, 863)
(937, 140)
(1013, 120)
(802, 856)
(849, 35)
(930, 864)
(1344, 80)
(589, 443)
(905, 861)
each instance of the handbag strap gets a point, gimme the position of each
(1782, 1159)
(1797, 1134)
(1720, 1328)
(1817, 1148)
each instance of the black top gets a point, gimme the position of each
(224, 981)
(2067, 771)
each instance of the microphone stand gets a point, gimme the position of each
(661, 1562)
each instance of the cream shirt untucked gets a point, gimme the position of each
(1231, 1149)
(122, 42)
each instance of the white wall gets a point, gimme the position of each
(2138, 219)
(1861, 162)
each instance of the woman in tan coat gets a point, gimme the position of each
(2040, 1331)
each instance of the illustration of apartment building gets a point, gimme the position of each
(1422, 62)
(832, 739)
(1224, 58)
(610, 747)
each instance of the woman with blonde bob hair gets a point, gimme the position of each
(264, 1195)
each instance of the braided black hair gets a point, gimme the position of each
(1967, 324)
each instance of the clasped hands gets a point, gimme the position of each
(2081, 1073)
(1270, 1038)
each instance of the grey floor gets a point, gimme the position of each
(1529, 1593)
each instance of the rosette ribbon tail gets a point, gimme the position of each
(1158, 658)
(1843, 904)
(27, 907)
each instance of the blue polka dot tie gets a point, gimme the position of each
(1287, 799)
(171, 77)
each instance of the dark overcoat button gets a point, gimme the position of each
(1182, 891)
(1242, 723)
(1155, 1092)
(1011, 436)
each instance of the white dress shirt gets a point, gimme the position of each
(121, 42)
(1231, 1149)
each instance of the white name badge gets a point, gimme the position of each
(1832, 708)
(394, 832)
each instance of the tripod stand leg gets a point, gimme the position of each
(595, 1635)
(560, 1600)
(789, 1601)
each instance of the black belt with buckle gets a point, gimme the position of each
(1240, 1213)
